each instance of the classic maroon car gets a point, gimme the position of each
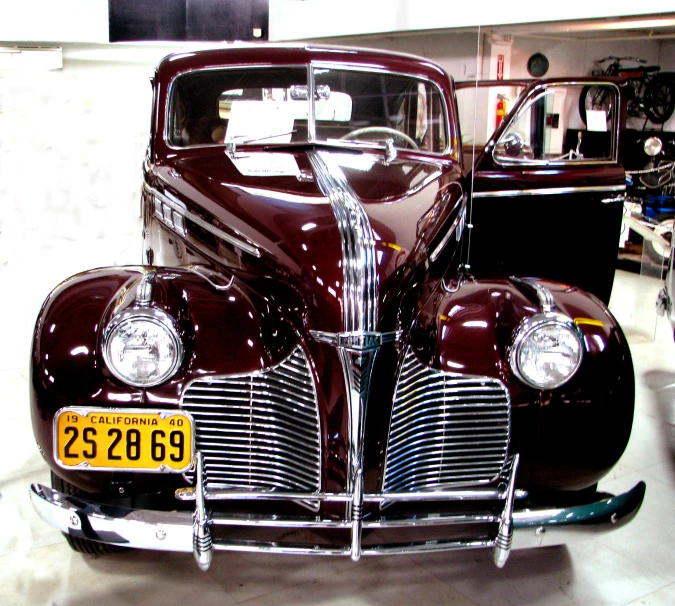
(336, 344)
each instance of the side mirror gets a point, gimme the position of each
(513, 145)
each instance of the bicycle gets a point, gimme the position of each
(651, 93)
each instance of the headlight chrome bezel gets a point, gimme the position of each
(154, 316)
(527, 329)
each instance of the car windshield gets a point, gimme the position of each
(273, 106)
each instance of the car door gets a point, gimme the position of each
(547, 187)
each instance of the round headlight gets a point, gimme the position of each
(653, 146)
(141, 347)
(546, 351)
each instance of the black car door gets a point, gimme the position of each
(547, 187)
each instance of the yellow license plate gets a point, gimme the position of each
(138, 440)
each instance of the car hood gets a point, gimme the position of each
(277, 202)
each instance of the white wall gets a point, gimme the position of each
(63, 21)
(297, 20)
(54, 20)
(71, 151)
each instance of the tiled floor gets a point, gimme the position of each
(634, 565)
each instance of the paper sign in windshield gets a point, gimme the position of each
(265, 121)
(266, 165)
(596, 120)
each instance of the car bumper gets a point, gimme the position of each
(178, 531)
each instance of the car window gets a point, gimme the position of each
(405, 110)
(249, 105)
(273, 106)
(557, 124)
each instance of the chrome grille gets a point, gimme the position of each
(259, 432)
(446, 429)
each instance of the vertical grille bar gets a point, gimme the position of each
(259, 432)
(446, 429)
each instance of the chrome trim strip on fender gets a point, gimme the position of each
(144, 289)
(544, 295)
(549, 191)
(219, 233)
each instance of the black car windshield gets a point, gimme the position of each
(272, 106)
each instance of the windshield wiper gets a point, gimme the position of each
(231, 144)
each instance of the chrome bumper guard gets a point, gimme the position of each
(185, 532)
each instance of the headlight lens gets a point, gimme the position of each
(142, 348)
(546, 351)
(653, 146)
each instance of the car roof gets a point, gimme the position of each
(264, 54)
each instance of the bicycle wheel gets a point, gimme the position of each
(594, 98)
(660, 99)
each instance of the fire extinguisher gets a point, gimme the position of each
(501, 109)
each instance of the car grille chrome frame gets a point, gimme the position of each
(446, 429)
(424, 397)
(258, 432)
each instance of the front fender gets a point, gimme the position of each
(568, 437)
(225, 328)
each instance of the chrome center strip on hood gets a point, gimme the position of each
(359, 268)
(359, 342)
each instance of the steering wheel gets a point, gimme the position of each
(385, 130)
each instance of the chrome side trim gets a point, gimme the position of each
(457, 228)
(549, 191)
(173, 531)
(311, 115)
(219, 233)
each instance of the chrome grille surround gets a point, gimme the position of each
(446, 429)
(259, 432)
